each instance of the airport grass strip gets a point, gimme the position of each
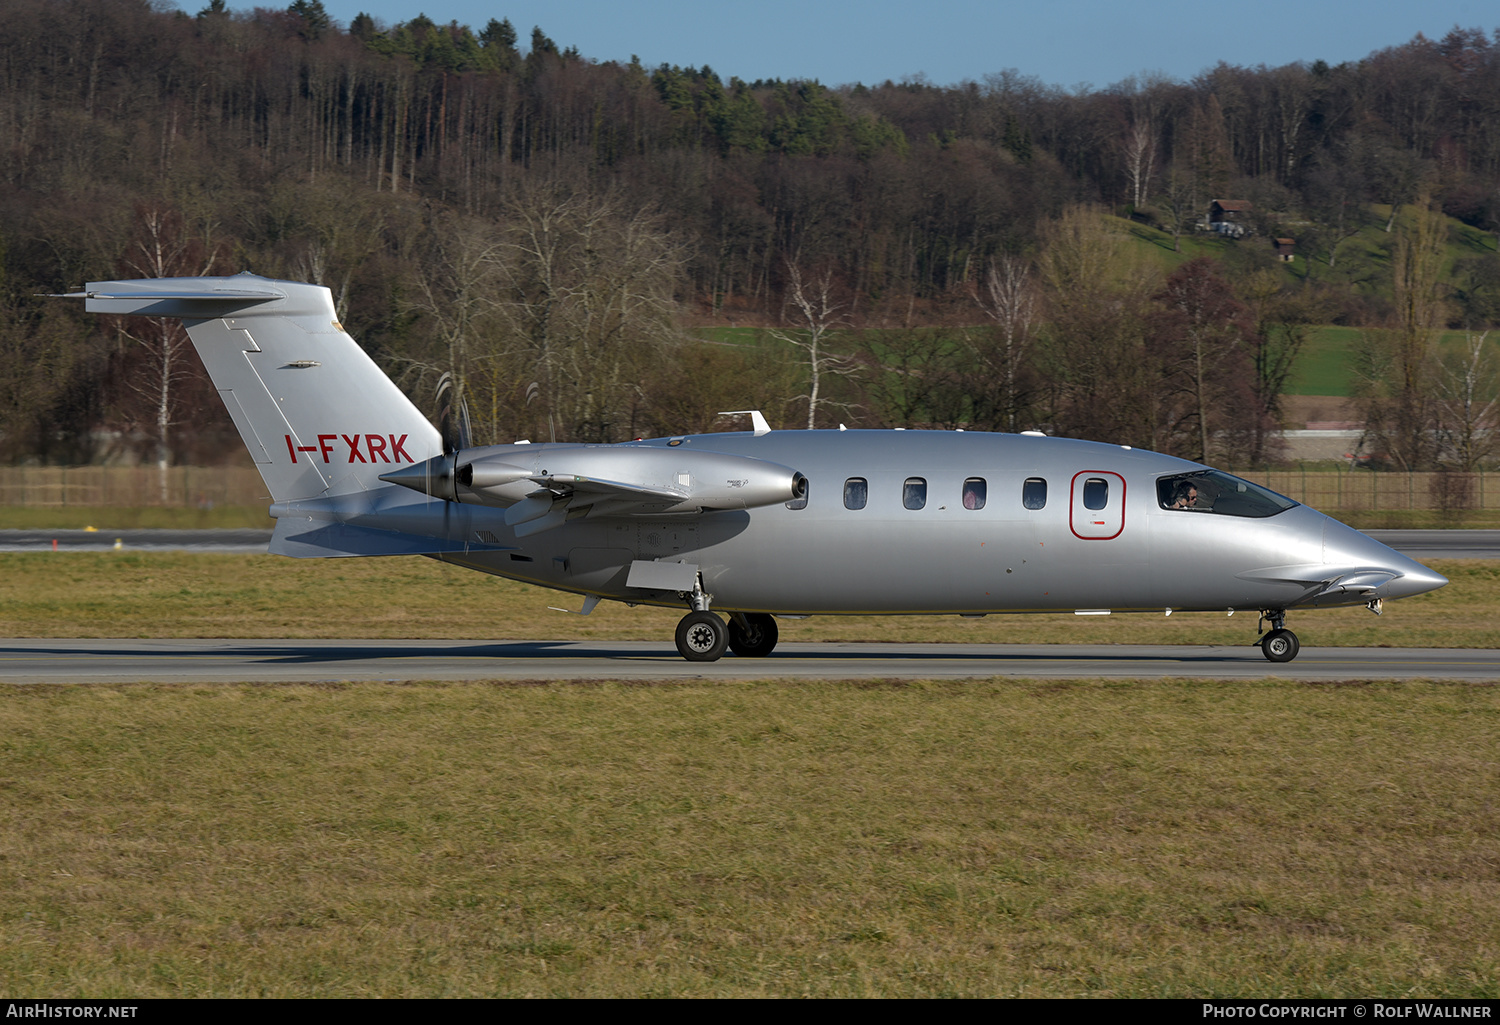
(166, 594)
(979, 838)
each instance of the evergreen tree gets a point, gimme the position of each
(314, 19)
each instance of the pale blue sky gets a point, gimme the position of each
(1065, 43)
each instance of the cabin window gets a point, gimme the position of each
(1095, 493)
(1214, 491)
(1034, 493)
(856, 493)
(801, 501)
(914, 493)
(974, 489)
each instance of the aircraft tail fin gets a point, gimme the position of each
(315, 412)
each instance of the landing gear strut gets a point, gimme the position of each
(1280, 645)
(701, 636)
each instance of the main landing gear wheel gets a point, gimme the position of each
(752, 635)
(1280, 646)
(701, 637)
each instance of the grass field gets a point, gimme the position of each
(983, 838)
(133, 594)
(977, 838)
(1326, 365)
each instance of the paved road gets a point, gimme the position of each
(1418, 544)
(1441, 544)
(81, 661)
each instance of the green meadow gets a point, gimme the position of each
(1326, 365)
(984, 838)
(172, 594)
(988, 837)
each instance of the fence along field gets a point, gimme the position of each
(131, 487)
(204, 487)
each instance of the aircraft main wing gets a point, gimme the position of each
(549, 506)
(593, 486)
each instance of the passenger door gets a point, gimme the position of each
(1097, 505)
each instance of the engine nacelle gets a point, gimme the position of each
(612, 480)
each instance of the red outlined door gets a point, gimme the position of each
(1097, 505)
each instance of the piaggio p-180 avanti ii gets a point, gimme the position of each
(757, 524)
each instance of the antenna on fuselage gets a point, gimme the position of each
(757, 420)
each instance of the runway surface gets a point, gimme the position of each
(143, 540)
(1417, 544)
(81, 661)
(268, 661)
(1441, 544)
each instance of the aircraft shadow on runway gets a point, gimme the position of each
(287, 654)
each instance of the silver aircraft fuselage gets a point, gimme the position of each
(943, 557)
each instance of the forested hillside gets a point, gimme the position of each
(586, 243)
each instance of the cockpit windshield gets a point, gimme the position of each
(1218, 492)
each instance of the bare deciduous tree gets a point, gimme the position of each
(1182, 206)
(1101, 373)
(341, 233)
(924, 377)
(455, 289)
(1468, 401)
(1009, 299)
(1201, 345)
(1398, 364)
(163, 247)
(1282, 325)
(1139, 148)
(817, 313)
(588, 296)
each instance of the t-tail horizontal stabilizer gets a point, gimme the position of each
(317, 415)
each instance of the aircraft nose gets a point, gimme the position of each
(1345, 546)
(1414, 579)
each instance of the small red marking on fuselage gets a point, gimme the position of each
(374, 445)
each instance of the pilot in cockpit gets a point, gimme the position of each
(1213, 491)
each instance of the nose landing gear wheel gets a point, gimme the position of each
(1280, 646)
(701, 637)
(752, 635)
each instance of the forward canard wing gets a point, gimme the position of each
(1324, 582)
